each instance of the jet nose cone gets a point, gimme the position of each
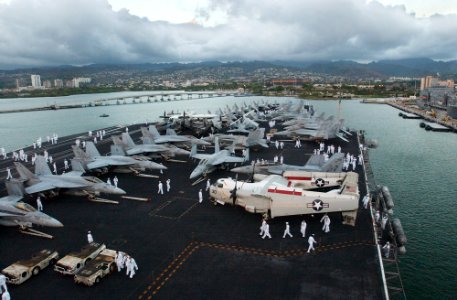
(51, 222)
(119, 191)
(194, 174)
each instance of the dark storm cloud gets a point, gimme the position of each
(44, 32)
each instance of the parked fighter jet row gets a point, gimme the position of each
(285, 194)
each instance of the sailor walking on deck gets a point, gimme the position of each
(39, 205)
(200, 196)
(365, 201)
(208, 184)
(160, 191)
(303, 228)
(262, 227)
(120, 260)
(168, 184)
(65, 164)
(384, 221)
(287, 231)
(8, 173)
(326, 220)
(266, 231)
(311, 242)
(115, 181)
(131, 266)
(90, 238)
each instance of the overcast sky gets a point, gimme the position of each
(54, 32)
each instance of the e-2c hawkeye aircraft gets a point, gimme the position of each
(274, 196)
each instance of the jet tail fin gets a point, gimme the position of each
(146, 133)
(15, 187)
(193, 150)
(41, 166)
(79, 153)
(334, 163)
(153, 131)
(91, 150)
(256, 135)
(170, 132)
(24, 173)
(77, 165)
(117, 141)
(127, 139)
(117, 150)
(350, 184)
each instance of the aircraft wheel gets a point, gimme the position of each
(36, 271)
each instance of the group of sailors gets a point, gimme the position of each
(123, 260)
(98, 135)
(351, 160)
(265, 231)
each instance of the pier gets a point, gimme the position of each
(449, 123)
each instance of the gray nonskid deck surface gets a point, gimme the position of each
(200, 251)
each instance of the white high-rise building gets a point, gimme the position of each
(36, 81)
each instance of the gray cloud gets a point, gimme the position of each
(49, 32)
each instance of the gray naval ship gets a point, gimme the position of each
(190, 250)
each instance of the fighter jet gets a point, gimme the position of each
(43, 180)
(170, 137)
(209, 162)
(315, 163)
(92, 160)
(254, 139)
(328, 129)
(274, 196)
(130, 148)
(14, 212)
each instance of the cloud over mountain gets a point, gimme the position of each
(49, 32)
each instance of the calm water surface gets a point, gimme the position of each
(419, 167)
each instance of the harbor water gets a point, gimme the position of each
(419, 167)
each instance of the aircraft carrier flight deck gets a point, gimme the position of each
(190, 250)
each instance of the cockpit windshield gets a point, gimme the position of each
(25, 207)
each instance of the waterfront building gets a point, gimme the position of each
(36, 81)
(47, 84)
(78, 80)
(58, 83)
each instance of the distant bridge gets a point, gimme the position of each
(147, 98)
(161, 97)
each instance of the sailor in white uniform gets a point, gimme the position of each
(266, 231)
(326, 220)
(160, 191)
(90, 238)
(311, 242)
(303, 228)
(287, 231)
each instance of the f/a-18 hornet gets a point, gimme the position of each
(43, 180)
(92, 160)
(209, 162)
(129, 146)
(14, 212)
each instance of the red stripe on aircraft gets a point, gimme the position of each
(299, 178)
(284, 192)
